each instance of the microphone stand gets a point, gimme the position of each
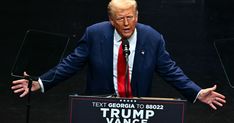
(30, 80)
(126, 76)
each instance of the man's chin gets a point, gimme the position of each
(127, 35)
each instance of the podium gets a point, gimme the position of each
(88, 109)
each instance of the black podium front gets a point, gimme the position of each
(85, 109)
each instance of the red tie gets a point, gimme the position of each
(121, 71)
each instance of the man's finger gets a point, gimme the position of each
(212, 106)
(220, 100)
(212, 88)
(219, 95)
(218, 103)
(25, 93)
(19, 81)
(19, 90)
(25, 74)
(16, 86)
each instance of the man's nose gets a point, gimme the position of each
(126, 22)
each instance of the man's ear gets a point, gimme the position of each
(111, 20)
(137, 16)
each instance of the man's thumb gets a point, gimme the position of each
(213, 88)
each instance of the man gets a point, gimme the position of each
(99, 48)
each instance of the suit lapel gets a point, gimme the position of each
(138, 63)
(106, 45)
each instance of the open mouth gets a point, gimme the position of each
(126, 30)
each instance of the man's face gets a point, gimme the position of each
(124, 21)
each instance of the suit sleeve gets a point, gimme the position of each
(73, 63)
(168, 69)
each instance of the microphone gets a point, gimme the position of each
(126, 53)
(125, 47)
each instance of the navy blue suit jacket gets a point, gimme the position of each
(96, 49)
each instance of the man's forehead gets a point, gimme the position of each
(122, 3)
(125, 12)
(122, 8)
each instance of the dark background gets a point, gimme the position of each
(190, 28)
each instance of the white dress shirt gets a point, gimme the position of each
(132, 46)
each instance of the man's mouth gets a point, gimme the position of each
(126, 30)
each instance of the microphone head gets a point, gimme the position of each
(125, 46)
(125, 43)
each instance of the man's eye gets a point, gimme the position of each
(130, 17)
(119, 19)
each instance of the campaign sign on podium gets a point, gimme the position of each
(85, 109)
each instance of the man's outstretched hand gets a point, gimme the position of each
(212, 98)
(21, 86)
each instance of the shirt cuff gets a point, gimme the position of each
(197, 96)
(41, 85)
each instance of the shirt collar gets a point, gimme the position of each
(117, 36)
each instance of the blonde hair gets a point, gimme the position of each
(121, 4)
